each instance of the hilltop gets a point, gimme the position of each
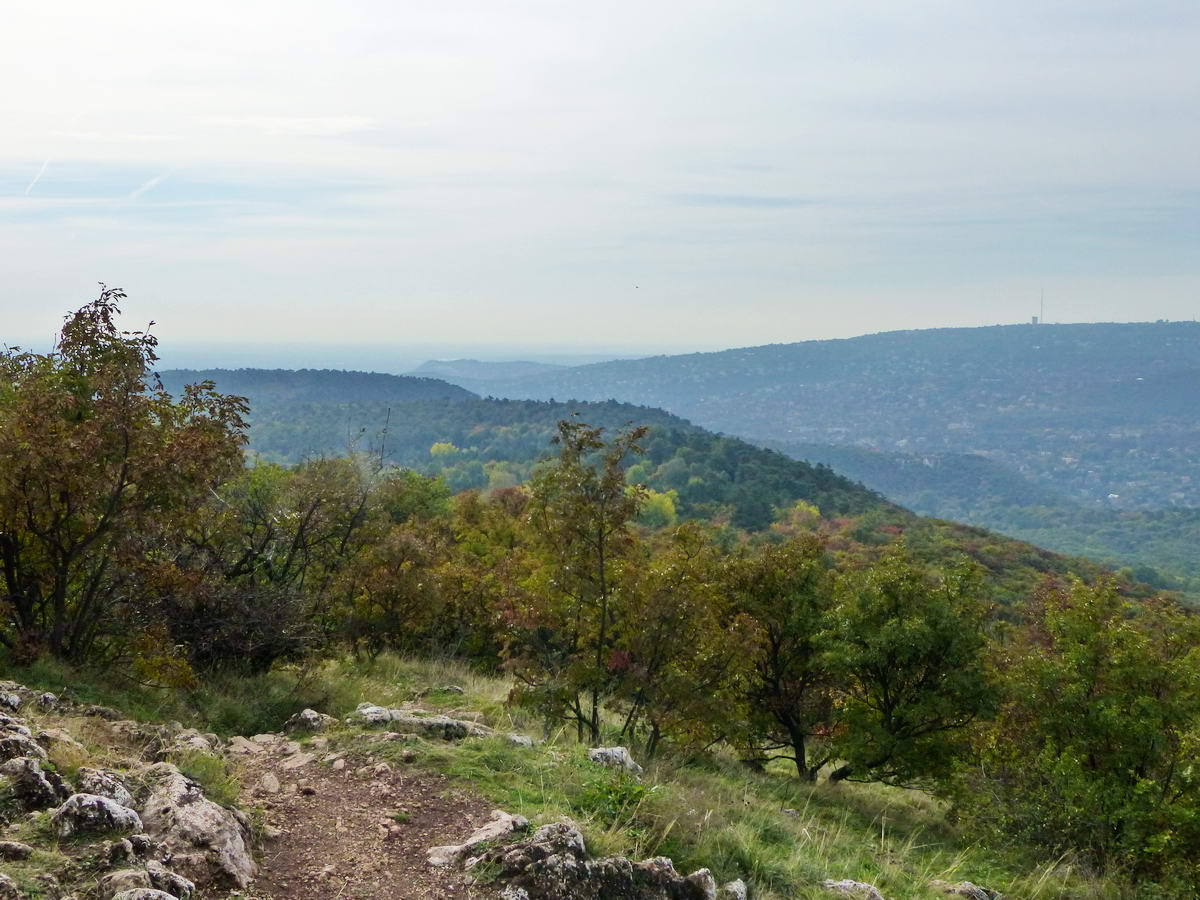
(284, 386)
(478, 372)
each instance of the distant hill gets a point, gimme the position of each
(475, 374)
(1088, 411)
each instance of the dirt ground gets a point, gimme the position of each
(337, 834)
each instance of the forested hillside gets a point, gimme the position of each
(1087, 410)
(1081, 438)
(475, 443)
(1157, 545)
(478, 443)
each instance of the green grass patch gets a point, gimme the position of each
(213, 773)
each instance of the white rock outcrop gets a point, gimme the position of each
(207, 842)
(414, 722)
(498, 826)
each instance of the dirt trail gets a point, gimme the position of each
(358, 835)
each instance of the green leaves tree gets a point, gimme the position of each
(1095, 745)
(787, 592)
(907, 648)
(680, 653)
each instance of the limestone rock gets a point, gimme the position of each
(498, 826)
(15, 850)
(123, 880)
(10, 701)
(734, 890)
(519, 740)
(33, 788)
(299, 761)
(614, 758)
(553, 865)
(128, 851)
(105, 784)
(240, 746)
(52, 737)
(965, 889)
(207, 842)
(165, 880)
(14, 745)
(143, 894)
(189, 740)
(48, 701)
(412, 722)
(13, 726)
(858, 890)
(308, 720)
(9, 889)
(120, 852)
(84, 813)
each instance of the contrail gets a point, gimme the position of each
(38, 176)
(148, 186)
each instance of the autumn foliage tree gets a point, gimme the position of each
(93, 454)
(680, 652)
(581, 513)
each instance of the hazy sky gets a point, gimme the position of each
(621, 174)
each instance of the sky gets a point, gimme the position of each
(605, 176)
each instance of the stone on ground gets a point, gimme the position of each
(858, 890)
(90, 813)
(553, 865)
(614, 758)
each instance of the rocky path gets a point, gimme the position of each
(337, 828)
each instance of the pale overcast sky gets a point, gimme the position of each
(615, 174)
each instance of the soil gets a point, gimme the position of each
(361, 837)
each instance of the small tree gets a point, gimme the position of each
(580, 511)
(907, 648)
(680, 653)
(269, 546)
(94, 456)
(787, 592)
